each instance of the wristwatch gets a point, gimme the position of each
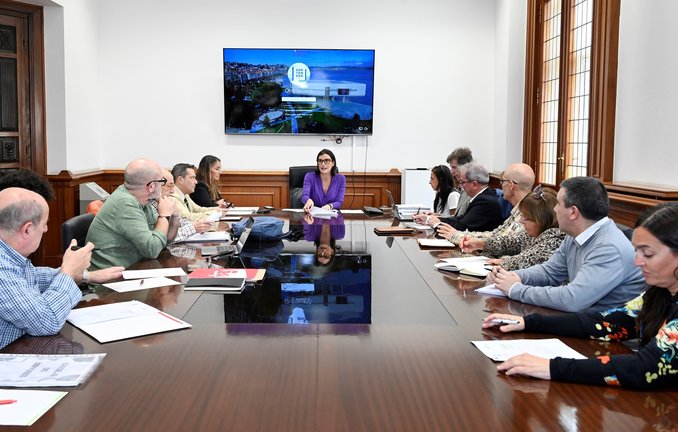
(85, 277)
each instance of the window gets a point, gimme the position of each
(571, 88)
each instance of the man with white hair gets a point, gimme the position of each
(127, 229)
(33, 300)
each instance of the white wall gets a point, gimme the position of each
(144, 79)
(647, 95)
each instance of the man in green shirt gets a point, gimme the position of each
(126, 229)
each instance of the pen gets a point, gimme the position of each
(141, 282)
(7, 401)
(505, 321)
(76, 247)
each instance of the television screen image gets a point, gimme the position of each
(298, 91)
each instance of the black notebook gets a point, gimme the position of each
(372, 210)
(215, 284)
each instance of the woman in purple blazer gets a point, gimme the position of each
(325, 187)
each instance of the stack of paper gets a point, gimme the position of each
(227, 281)
(435, 243)
(209, 236)
(112, 322)
(322, 213)
(34, 370)
(491, 289)
(241, 211)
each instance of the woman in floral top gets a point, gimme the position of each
(535, 244)
(653, 317)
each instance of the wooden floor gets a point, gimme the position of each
(412, 369)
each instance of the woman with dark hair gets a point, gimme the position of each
(445, 201)
(532, 246)
(325, 187)
(206, 192)
(653, 317)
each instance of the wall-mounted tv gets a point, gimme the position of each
(298, 91)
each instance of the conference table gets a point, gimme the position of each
(410, 367)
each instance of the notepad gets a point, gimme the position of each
(117, 321)
(30, 405)
(435, 243)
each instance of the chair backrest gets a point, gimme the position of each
(296, 183)
(75, 228)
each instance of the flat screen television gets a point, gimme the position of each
(298, 91)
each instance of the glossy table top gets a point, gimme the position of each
(413, 368)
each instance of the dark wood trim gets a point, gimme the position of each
(533, 60)
(604, 54)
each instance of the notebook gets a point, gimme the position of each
(393, 230)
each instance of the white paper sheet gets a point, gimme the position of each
(33, 370)
(502, 350)
(30, 405)
(150, 273)
(322, 213)
(213, 217)
(436, 243)
(111, 322)
(140, 284)
(209, 236)
(490, 289)
(352, 211)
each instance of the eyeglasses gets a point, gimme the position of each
(502, 181)
(324, 161)
(162, 181)
(463, 182)
(539, 192)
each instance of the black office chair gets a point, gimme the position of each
(296, 183)
(75, 228)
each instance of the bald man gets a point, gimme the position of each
(127, 229)
(33, 300)
(516, 182)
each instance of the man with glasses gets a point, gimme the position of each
(127, 229)
(592, 269)
(458, 158)
(516, 183)
(483, 212)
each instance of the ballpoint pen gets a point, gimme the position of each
(76, 247)
(505, 321)
(7, 401)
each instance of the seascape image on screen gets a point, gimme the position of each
(298, 91)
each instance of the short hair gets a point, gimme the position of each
(589, 195)
(538, 206)
(27, 179)
(462, 155)
(476, 172)
(181, 170)
(15, 215)
(334, 171)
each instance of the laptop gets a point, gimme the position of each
(236, 246)
(405, 215)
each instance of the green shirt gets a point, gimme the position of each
(124, 232)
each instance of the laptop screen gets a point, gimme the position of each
(390, 199)
(243, 237)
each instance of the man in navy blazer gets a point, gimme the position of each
(483, 212)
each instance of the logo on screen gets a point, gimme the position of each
(299, 74)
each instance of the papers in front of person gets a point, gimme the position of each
(435, 243)
(215, 216)
(150, 273)
(34, 370)
(117, 321)
(351, 211)
(490, 289)
(470, 266)
(323, 214)
(140, 284)
(502, 350)
(209, 236)
(417, 226)
(24, 407)
(241, 211)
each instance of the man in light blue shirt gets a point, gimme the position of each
(593, 268)
(33, 300)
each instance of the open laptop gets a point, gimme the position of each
(237, 245)
(401, 212)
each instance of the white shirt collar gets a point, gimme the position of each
(588, 232)
(474, 196)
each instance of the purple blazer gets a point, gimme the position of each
(313, 188)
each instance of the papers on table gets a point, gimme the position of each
(435, 243)
(502, 350)
(150, 273)
(490, 289)
(352, 211)
(293, 210)
(418, 226)
(140, 284)
(28, 405)
(223, 280)
(230, 218)
(33, 370)
(322, 213)
(209, 236)
(111, 322)
(241, 211)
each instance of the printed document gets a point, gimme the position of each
(502, 350)
(40, 370)
(140, 284)
(24, 407)
(149, 273)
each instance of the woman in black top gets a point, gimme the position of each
(653, 317)
(206, 192)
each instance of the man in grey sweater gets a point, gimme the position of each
(593, 268)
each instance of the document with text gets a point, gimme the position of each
(502, 350)
(42, 370)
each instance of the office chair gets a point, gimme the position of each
(506, 206)
(296, 183)
(75, 228)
